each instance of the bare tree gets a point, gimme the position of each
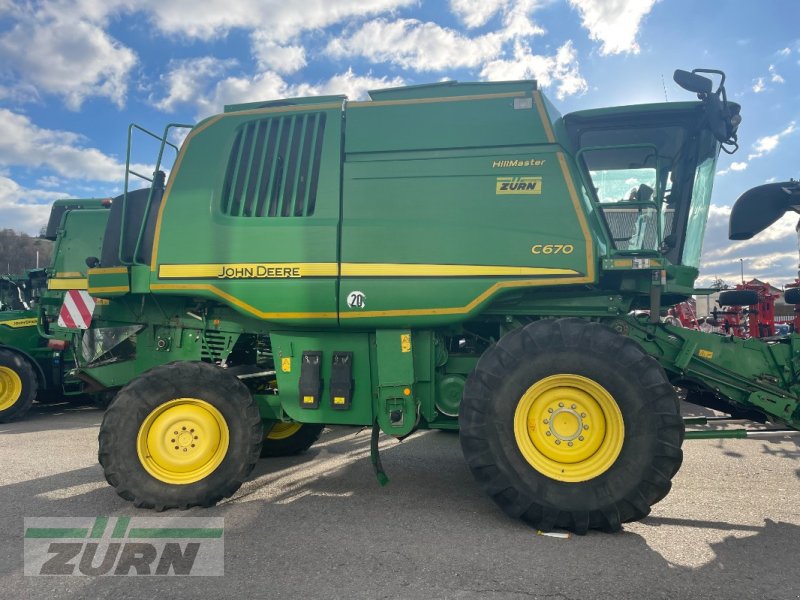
(19, 251)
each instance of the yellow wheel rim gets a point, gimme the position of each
(282, 431)
(569, 428)
(182, 441)
(10, 387)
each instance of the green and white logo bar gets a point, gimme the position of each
(123, 546)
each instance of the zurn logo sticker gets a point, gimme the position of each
(519, 185)
(97, 546)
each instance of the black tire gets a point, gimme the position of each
(738, 298)
(105, 398)
(650, 452)
(18, 386)
(288, 445)
(133, 405)
(792, 295)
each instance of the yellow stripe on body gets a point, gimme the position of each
(109, 289)
(365, 314)
(19, 323)
(202, 271)
(426, 270)
(108, 271)
(67, 284)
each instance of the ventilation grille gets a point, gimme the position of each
(273, 169)
(215, 346)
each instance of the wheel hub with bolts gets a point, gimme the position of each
(566, 424)
(568, 427)
(182, 441)
(10, 387)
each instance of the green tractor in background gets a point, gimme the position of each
(446, 256)
(32, 367)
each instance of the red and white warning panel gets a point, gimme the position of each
(76, 311)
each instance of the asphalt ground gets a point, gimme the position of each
(319, 526)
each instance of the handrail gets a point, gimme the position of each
(128, 171)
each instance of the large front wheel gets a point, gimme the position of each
(180, 435)
(568, 424)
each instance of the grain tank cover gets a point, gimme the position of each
(446, 115)
(451, 88)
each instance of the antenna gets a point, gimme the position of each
(664, 85)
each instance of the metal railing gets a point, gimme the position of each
(164, 142)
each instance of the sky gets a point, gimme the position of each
(75, 73)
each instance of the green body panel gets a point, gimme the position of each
(80, 236)
(193, 229)
(291, 345)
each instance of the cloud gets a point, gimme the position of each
(772, 255)
(760, 83)
(735, 166)
(24, 144)
(417, 45)
(271, 86)
(186, 79)
(474, 13)
(63, 47)
(272, 56)
(613, 23)
(285, 19)
(784, 52)
(768, 143)
(774, 76)
(561, 70)
(427, 46)
(57, 53)
(24, 209)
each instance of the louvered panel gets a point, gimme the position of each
(273, 168)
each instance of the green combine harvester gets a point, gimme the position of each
(32, 367)
(446, 256)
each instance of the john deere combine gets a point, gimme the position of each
(439, 256)
(31, 367)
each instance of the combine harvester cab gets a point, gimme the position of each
(441, 256)
(32, 367)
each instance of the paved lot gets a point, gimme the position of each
(319, 526)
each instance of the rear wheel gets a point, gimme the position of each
(180, 435)
(286, 439)
(18, 386)
(567, 424)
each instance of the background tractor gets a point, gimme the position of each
(32, 367)
(447, 256)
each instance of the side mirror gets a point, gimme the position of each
(761, 206)
(692, 82)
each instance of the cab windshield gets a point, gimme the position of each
(650, 175)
